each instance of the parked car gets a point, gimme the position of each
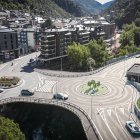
(133, 127)
(1, 90)
(60, 96)
(31, 60)
(138, 56)
(26, 92)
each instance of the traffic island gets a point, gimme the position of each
(137, 108)
(9, 82)
(94, 88)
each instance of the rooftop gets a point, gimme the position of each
(135, 69)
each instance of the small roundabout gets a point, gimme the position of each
(7, 82)
(93, 88)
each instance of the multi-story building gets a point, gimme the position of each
(8, 44)
(28, 40)
(54, 43)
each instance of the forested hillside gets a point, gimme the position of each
(125, 11)
(55, 8)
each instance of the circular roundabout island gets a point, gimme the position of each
(94, 88)
(9, 81)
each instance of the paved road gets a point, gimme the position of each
(109, 112)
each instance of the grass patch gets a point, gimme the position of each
(6, 81)
(138, 103)
(99, 90)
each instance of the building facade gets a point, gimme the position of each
(8, 44)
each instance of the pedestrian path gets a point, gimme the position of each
(45, 86)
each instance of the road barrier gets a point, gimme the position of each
(80, 74)
(79, 112)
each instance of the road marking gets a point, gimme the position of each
(46, 86)
(97, 130)
(121, 124)
(109, 112)
(2, 66)
(100, 111)
(122, 110)
(109, 128)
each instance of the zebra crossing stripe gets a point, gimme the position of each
(122, 110)
(109, 112)
(46, 87)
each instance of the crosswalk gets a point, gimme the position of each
(45, 85)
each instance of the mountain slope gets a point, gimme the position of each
(107, 5)
(93, 6)
(55, 8)
(125, 11)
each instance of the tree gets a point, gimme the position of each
(137, 36)
(91, 63)
(93, 85)
(137, 22)
(127, 38)
(98, 52)
(78, 56)
(10, 130)
(48, 23)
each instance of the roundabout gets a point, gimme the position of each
(7, 82)
(109, 110)
(99, 91)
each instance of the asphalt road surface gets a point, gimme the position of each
(109, 112)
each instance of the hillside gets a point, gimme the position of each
(92, 6)
(107, 5)
(124, 11)
(55, 8)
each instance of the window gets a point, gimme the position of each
(5, 44)
(5, 37)
(12, 47)
(11, 37)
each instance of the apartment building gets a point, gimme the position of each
(8, 44)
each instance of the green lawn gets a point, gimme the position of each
(88, 90)
(138, 103)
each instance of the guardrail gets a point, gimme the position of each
(80, 74)
(67, 105)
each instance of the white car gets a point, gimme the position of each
(60, 96)
(138, 56)
(133, 127)
(1, 90)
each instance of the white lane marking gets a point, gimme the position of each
(109, 112)
(121, 124)
(122, 110)
(100, 111)
(109, 128)
(101, 138)
(2, 66)
(46, 87)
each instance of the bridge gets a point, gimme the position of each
(88, 125)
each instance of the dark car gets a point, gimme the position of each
(31, 60)
(26, 92)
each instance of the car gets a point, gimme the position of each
(60, 96)
(137, 56)
(26, 92)
(133, 127)
(1, 90)
(31, 60)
